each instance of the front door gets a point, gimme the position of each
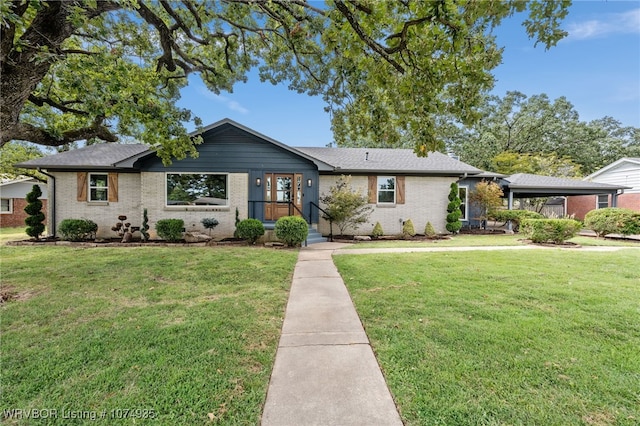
(281, 191)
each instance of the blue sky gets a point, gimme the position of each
(597, 68)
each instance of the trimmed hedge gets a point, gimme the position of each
(250, 229)
(613, 220)
(292, 230)
(170, 229)
(78, 229)
(515, 216)
(377, 231)
(550, 230)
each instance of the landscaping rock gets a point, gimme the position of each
(196, 237)
(362, 238)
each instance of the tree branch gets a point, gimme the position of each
(166, 40)
(40, 101)
(31, 133)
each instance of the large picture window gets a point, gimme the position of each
(386, 189)
(98, 187)
(202, 189)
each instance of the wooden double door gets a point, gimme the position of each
(282, 191)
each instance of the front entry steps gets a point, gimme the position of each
(314, 237)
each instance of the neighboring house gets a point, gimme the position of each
(13, 195)
(624, 172)
(241, 170)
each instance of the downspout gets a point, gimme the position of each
(51, 201)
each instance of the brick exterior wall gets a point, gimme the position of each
(580, 205)
(425, 201)
(16, 218)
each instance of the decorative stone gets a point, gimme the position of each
(196, 237)
(362, 238)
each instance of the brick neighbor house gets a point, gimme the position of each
(13, 201)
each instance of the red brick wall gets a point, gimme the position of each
(16, 219)
(580, 205)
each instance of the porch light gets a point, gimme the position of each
(258, 181)
(309, 183)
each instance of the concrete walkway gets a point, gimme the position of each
(325, 372)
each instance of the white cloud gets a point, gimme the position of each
(613, 23)
(229, 103)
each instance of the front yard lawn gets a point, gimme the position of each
(549, 337)
(183, 335)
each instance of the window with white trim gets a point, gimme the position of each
(464, 206)
(98, 187)
(386, 189)
(6, 206)
(602, 201)
(197, 189)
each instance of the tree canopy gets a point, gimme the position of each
(533, 134)
(107, 70)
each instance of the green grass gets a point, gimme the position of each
(469, 240)
(183, 332)
(12, 234)
(506, 337)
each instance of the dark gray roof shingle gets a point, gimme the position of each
(525, 180)
(381, 160)
(104, 155)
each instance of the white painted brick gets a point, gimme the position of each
(425, 201)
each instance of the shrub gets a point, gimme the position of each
(550, 230)
(210, 223)
(407, 229)
(515, 216)
(292, 230)
(170, 229)
(78, 229)
(613, 220)
(144, 230)
(250, 229)
(453, 210)
(35, 227)
(429, 231)
(377, 231)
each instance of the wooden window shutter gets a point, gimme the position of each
(400, 189)
(373, 189)
(113, 187)
(82, 186)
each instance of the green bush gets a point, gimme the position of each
(377, 231)
(550, 230)
(250, 229)
(613, 220)
(78, 229)
(515, 216)
(453, 210)
(408, 230)
(35, 227)
(292, 230)
(429, 231)
(170, 229)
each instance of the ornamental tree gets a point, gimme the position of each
(453, 210)
(111, 70)
(486, 195)
(347, 207)
(34, 222)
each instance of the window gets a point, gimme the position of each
(462, 193)
(98, 187)
(386, 189)
(602, 202)
(6, 206)
(204, 189)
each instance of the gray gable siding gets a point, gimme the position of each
(229, 149)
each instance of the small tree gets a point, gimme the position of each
(453, 210)
(488, 196)
(347, 208)
(210, 223)
(35, 227)
(144, 230)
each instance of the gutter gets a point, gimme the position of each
(52, 200)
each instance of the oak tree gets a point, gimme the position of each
(112, 70)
